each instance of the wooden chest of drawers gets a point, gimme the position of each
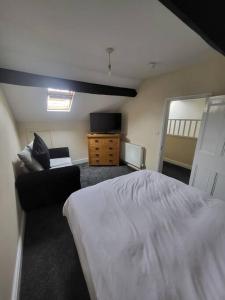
(104, 149)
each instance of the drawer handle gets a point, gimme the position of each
(110, 154)
(96, 141)
(96, 148)
(110, 160)
(97, 160)
(97, 155)
(111, 141)
(110, 148)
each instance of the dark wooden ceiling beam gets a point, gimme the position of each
(29, 79)
(202, 16)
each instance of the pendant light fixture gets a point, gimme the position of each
(153, 64)
(109, 51)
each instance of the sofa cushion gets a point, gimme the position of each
(29, 161)
(40, 152)
(60, 162)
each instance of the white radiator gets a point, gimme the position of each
(132, 154)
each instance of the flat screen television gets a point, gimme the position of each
(105, 122)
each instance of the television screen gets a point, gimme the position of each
(105, 122)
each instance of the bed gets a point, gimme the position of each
(146, 236)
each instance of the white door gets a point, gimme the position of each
(208, 170)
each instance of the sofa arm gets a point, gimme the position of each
(47, 187)
(59, 152)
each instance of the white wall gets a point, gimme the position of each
(9, 210)
(143, 116)
(188, 109)
(58, 129)
(58, 134)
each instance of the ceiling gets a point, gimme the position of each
(29, 104)
(68, 39)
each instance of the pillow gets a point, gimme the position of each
(30, 145)
(28, 160)
(40, 152)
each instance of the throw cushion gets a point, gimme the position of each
(29, 161)
(30, 145)
(40, 152)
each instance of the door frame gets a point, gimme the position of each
(164, 122)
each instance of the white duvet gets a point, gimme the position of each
(146, 236)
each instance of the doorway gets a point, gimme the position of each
(183, 123)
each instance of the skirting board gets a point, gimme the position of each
(18, 265)
(80, 161)
(177, 163)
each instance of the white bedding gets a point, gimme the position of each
(145, 236)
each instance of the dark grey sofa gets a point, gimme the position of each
(42, 188)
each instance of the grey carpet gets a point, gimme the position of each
(94, 175)
(51, 269)
(176, 172)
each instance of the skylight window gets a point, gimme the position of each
(59, 100)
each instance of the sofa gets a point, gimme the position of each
(41, 188)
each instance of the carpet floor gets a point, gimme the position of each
(176, 172)
(51, 267)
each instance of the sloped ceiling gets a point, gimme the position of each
(68, 38)
(29, 104)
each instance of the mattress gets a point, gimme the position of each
(147, 236)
